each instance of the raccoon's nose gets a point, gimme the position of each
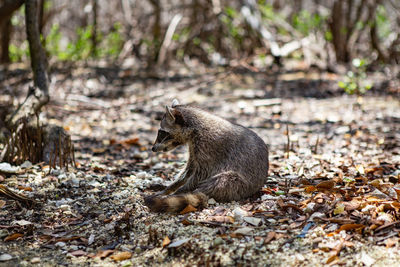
(154, 149)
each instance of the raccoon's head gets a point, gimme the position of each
(171, 133)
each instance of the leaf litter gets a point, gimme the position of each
(332, 196)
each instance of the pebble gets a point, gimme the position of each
(75, 182)
(60, 244)
(239, 213)
(252, 220)
(62, 176)
(35, 260)
(138, 250)
(5, 257)
(218, 241)
(26, 165)
(141, 175)
(212, 201)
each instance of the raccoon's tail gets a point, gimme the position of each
(176, 203)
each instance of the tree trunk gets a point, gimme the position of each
(6, 30)
(38, 95)
(93, 51)
(7, 8)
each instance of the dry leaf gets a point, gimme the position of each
(121, 256)
(270, 236)
(189, 208)
(332, 258)
(2, 203)
(104, 253)
(13, 237)
(25, 188)
(350, 226)
(166, 242)
(310, 189)
(131, 141)
(222, 219)
(78, 253)
(325, 185)
(360, 169)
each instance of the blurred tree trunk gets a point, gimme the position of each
(342, 23)
(6, 31)
(38, 95)
(7, 8)
(93, 51)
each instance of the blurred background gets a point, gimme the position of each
(143, 34)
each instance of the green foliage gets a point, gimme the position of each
(113, 42)
(81, 48)
(230, 19)
(17, 53)
(267, 10)
(305, 22)
(355, 81)
(382, 22)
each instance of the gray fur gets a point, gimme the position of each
(226, 161)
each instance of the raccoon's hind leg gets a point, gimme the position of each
(226, 186)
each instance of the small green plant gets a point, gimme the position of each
(305, 22)
(18, 53)
(355, 81)
(113, 42)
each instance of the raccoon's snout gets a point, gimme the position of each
(154, 149)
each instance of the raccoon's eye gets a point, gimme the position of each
(163, 135)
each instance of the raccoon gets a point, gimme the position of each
(226, 161)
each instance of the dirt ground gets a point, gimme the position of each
(331, 197)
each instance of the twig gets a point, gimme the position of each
(168, 38)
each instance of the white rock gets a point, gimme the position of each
(157, 180)
(75, 182)
(26, 165)
(65, 207)
(35, 260)
(141, 175)
(5, 257)
(159, 165)
(212, 201)
(178, 243)
(239, 213)
(21, 223)
(7, 168)
(244, 231)
(252, 220)
(60, 244)
(366, 259)
(91, 239)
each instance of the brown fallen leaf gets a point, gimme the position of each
(25, 188)
(189, 208)
(270, 236)
(332, 258)
(131, 141)
(325, 185)
(221, 219)
(104, 253)
(310, 189)
(350, 226)
(78, 253)
(2, 203)
(166, 242)
(13, 237)
(120, 256)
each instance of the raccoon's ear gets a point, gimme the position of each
(179, 119)
(175, 103)
(170, 117)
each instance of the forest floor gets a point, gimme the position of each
(332, 196)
